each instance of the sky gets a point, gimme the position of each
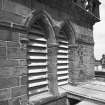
(99, 33)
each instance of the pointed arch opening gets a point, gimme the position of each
(65, 38)
(40, 35)
(62, 58)
(69, 32)
(46, 23)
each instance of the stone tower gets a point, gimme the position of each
(44, 44)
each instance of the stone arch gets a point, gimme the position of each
(51, 44)
(70, 31)
(47, 24)
(71, 36)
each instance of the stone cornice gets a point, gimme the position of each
(74, 10)
(13, 27)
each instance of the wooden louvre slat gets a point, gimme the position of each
(37, 61)
(62, 67)
(63, 77)
(36, 84)
(35, 77)
(36, 47)
(36, 32)
(38, 64)
(33, 37)
(37, 44)
(62, 39)
(62, 56)
(37, 50)
(36, 26)
(62, 72)
(63, 82)
(38, 90)
(37, 70)
(38, 57)
(36, 67)
(38, 54)
(62, 64)
(39, 40)
(62, 60)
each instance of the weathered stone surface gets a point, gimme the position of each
(16, 53)
(17, 6)
(2, 51)
(18, 91)
(24, 80)
(82, 30)
(5, 62)
(22, 70)
(8, 82)
(52, 73)
(2, 43)
(13, 44)
(83, 63)
(23, 35)
(1, 4)
(61, 101)
(15, 37)
(12, 71)
(13, 52)
(23, 100)
(5, 35)
(22, 62)
(10, 17)
(71, 55)
(5, 102)
(4, 94)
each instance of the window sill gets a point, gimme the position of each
(46, 97)
(77, 92)
(39, 98)
(62, 90)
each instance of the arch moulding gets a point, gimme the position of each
(44, 16)
(70, 32)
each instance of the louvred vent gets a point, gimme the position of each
(37, 61)
(62, 59)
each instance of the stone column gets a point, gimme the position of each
(52, 68)
(73, 62)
